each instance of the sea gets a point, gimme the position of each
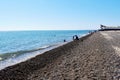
(18, 46)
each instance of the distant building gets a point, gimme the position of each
(107, 28)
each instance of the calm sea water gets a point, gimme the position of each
(19, 43)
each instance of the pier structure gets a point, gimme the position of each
(108, 28)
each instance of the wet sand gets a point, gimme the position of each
(94, 57)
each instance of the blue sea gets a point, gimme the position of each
(18, 46)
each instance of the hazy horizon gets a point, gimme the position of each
(58, 14)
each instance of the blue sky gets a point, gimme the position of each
(58, 14)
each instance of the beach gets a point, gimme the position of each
(93, 57)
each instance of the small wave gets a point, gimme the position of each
(0, 58)
(18, 53)
(9, 59)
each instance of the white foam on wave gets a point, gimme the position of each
(0, 58)
(24, 57)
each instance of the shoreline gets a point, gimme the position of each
(27, 56)
(30, 65)
(93, 57)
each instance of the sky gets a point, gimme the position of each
(58, 14)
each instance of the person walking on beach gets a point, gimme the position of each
(75, 37)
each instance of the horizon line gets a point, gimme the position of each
(49, 30)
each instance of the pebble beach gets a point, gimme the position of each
(93, 57)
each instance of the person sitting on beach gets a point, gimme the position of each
(75, 37)
(64, 40)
